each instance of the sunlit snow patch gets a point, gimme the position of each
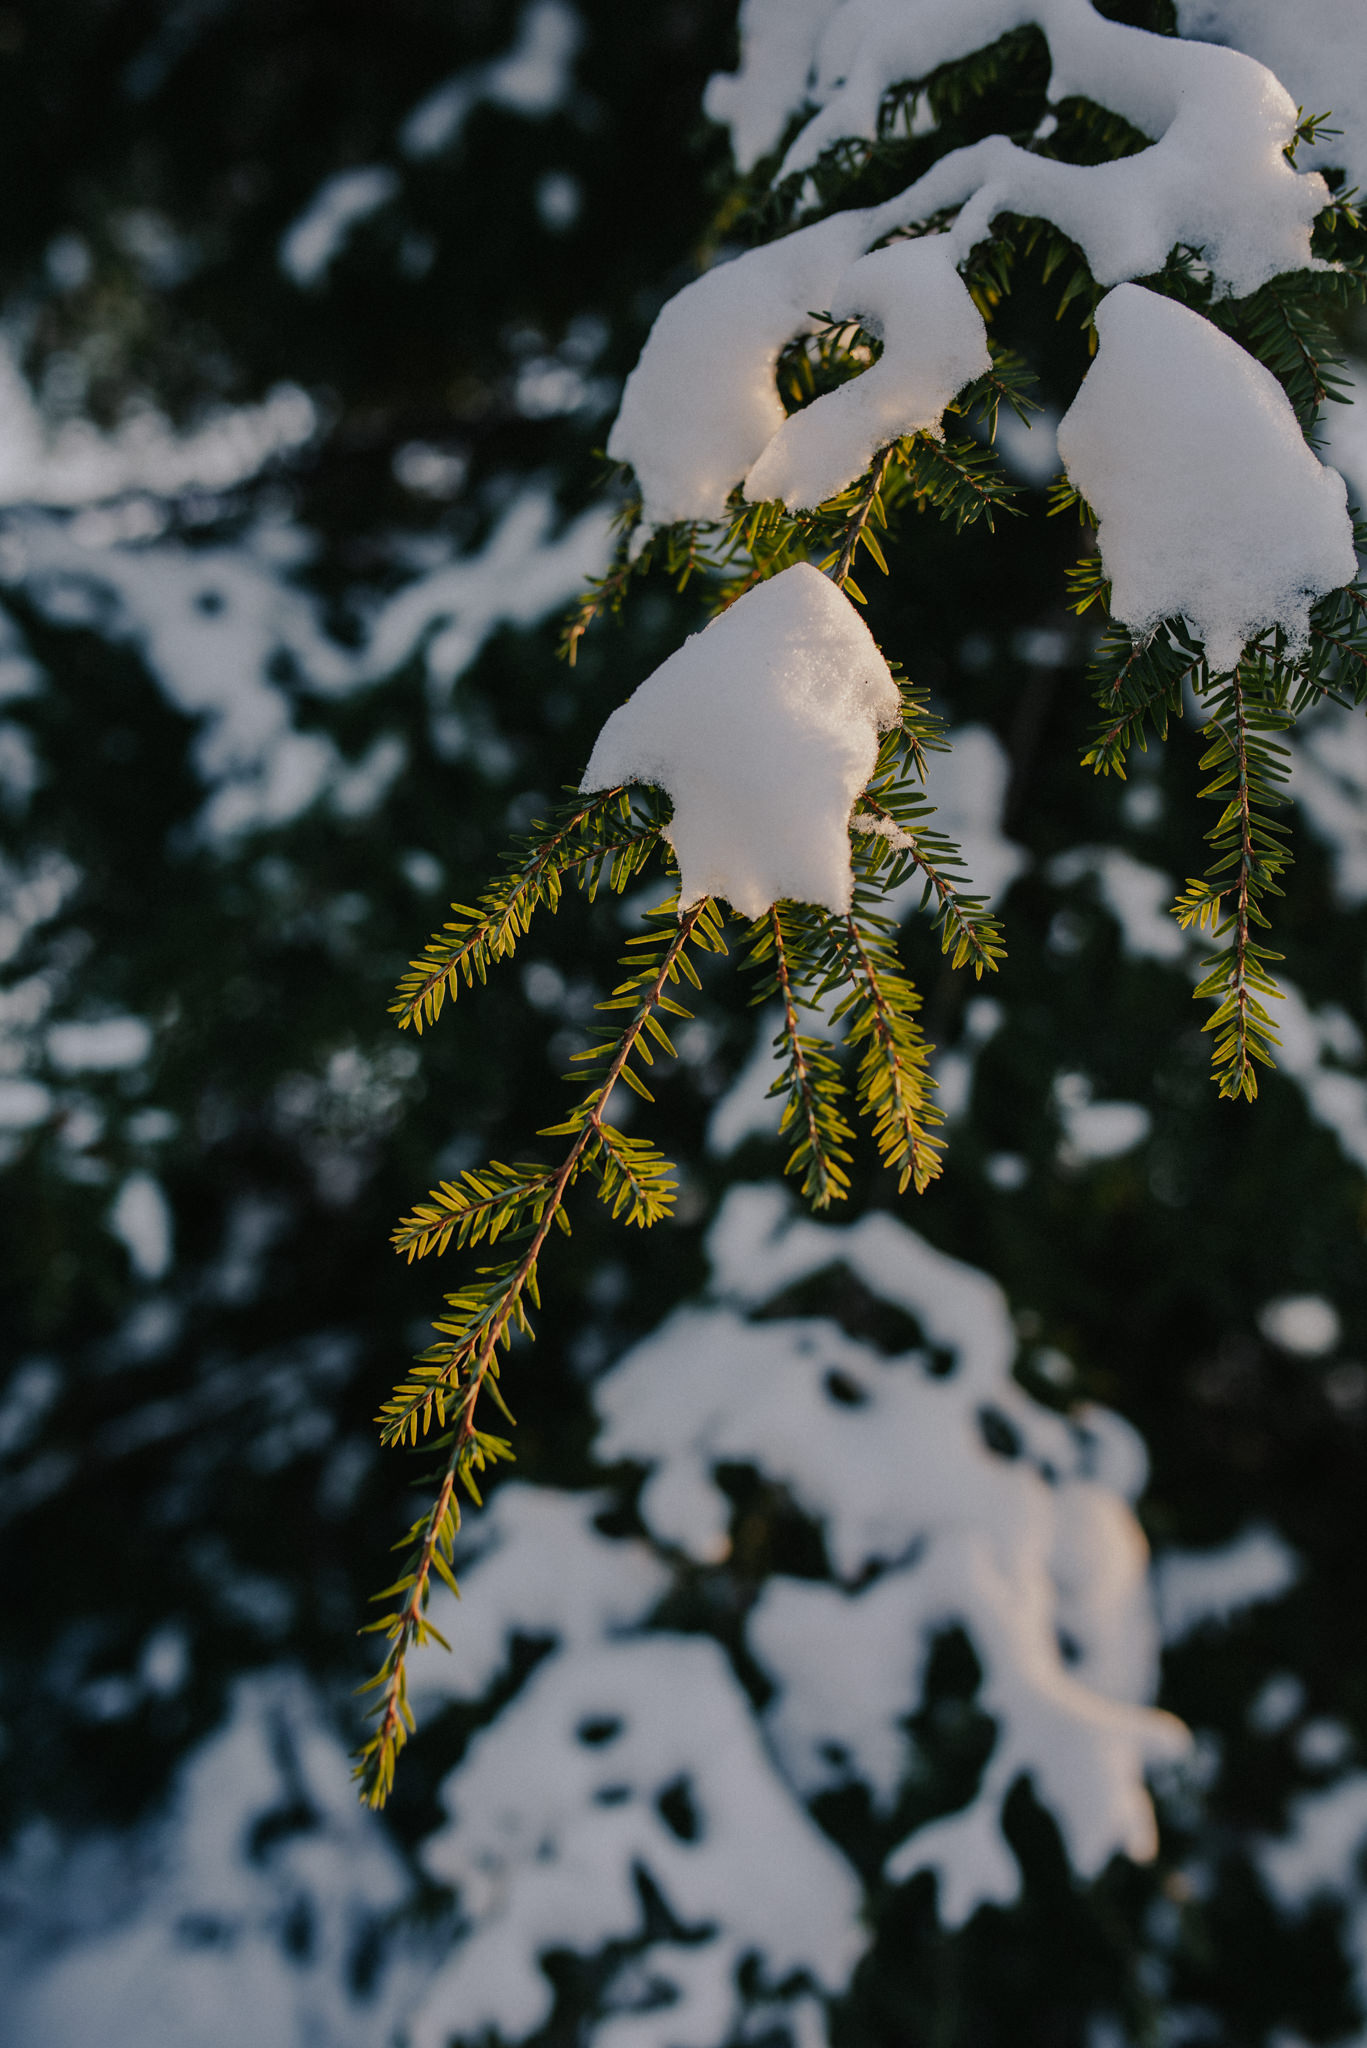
(1316, 50)
(1210, 503)
(701, 406)
(763, 728)
(934, 342)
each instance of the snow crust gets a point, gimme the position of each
(763, 728)
(700, 408)
(1209, 501)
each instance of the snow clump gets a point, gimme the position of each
(701, 407)
(1209, 501)
(763, 728)
(934, 343)
(1307, 47)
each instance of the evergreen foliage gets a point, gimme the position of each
(848, 969)
(216, 1425)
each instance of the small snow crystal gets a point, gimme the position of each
(1209, 501)
(934, 342)
(763, 728)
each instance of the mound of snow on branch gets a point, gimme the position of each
(1309, 47)
(701, 408)
(763, 728)
(934, 342)
(1210, 503)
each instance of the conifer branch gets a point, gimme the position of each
(615, 831)
(1247, 766)
(789, 938)
(893, 1084)
(866, 505)
(449, 1379)
(966, 930)
(1139, 684)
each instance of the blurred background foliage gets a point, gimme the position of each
(191, 1487)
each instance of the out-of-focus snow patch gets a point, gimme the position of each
(79, 464)
(1199, 1588)
(1321, 1857)
(544, 1571)
(1029, 448)
(313, 242)
(1317, 1046)
(1138, 897)
(141, 1220)
(23, 1104)
(1344, 432)
(633, 1756)
(631, 1749)
(1329, 784)
(524, 571)
(1015, 1531)
(533, 79)
(263, 1915)
(763, 728)
(953, 1068)
(1208, 500)
(968, 786)
(110, 1046)
(214, 623)
(1305, 1324)
(1321, 1049)
(31, 895)
(1095, 1130)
